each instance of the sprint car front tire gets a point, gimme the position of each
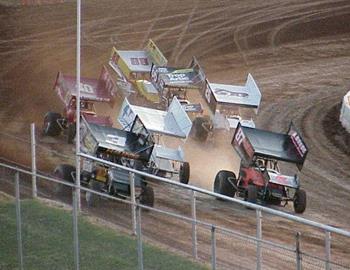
(51, 127)
(299, 201)
(92, 198)
(199, 131)
(184, 174)
(252, 194)
(147, 196)
(71, 132)
(63, 172)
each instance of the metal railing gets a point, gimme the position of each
(215, 233)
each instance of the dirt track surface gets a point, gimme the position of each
(297, 51)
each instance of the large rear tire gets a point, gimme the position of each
(92, 199)
(225, 183)
(51, 126)
(63, 172)
(147, 196)
(299, 201)
(184, 174)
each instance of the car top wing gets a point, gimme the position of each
(155, 53)
(100, 90)
(251, 142)
(248, 95)
(173, 122)
(137, 145)
(189, 77)
(131, 59)
(98, 119)
(163, 152)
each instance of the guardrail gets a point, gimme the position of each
(213, 229)
(243, 203)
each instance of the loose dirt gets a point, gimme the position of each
(297, 51)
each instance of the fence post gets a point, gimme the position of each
(297, 250)
(213, 248)
(19, 222)
(133, 200)
(33, 152)
(194, 224)
(328, 250)
(139, 238)
(75, 228)
(258, 237)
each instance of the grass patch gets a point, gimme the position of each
(5, 198)
(48, 243)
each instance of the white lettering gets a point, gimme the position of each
(86, 88)
(239, 136)
(301, 148)
(116, 140)
(178, 77)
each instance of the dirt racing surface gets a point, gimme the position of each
(297, 51)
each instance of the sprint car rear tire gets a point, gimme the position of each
(199, 132)
(299, 201)
(222, 183)
(51, 127)
(252, 194)
(184, 174)
(147, 196)
(91, 198)
(63, 172)
(71, 133)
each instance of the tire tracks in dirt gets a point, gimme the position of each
(309, 15)
(212, 27)
(185, 28)
(154, 22)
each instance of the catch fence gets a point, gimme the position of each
(188, 220)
